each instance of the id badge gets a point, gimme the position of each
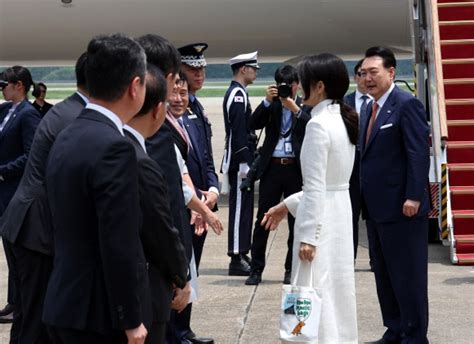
(288, 148)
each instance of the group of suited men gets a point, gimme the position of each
(86, 261)
(97, 200)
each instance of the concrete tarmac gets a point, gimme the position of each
(233, 313)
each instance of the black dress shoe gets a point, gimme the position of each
(198, 340)
(246, 258)
(254, 279)
(238, 266)
(380, 341)
(287, 278)
(8, 309)
(6, 319)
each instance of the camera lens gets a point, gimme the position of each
(284, 90)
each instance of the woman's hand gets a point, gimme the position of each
(307, 252)
(274, 215)
(213, 220)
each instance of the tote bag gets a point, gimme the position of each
(300, 309)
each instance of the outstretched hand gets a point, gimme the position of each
(274, 215)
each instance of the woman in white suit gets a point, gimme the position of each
(323, 227)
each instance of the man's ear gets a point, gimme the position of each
(134, 87)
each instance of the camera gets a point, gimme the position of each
(284, 90)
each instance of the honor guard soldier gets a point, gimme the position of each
(201, 165)
(238, 156)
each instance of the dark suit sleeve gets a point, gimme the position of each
(239, 142)
(29, 121)
(301, 121)
(115, 193)
(260, 116)
(161, 241)
(415, 133)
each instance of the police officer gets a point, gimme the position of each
(238, 156)
(201, 165)
(279, 166)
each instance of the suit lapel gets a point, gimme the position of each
(13, 116)
(382, 117)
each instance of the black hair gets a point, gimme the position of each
(81, 70)
(155, 89)
(385, 53)
(332, 72)
(236, 67)
(18, 73)
(113, 61)
(37, 90)
(357, 66)
(286, 74)
(160, 52)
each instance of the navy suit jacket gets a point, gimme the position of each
(200, 162)
(15, 144)
(27, 219)
(350, 100)
(161, 242)
(99, 280)
(395, 162)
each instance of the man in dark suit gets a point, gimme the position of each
(99, 268)
(279, 168)
(18, 122)
(200, 162)
(160, 147)
(163, 248)
(238, 156)
(26, 223)
(395, 160)
(358, 100)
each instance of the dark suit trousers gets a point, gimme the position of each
(32, 271)
(179, 326)
(240, 217)
(70, 336)
(400, 262)
(277, 181)
(11, 294)
(354, 192)
(156, 334)
(198, 246)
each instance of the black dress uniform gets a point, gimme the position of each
(240, 148)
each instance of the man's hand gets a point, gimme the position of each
(307, 252)
(181, 298)
(274, 215)
(410, 208)
(211, 199)
(271, 93)
(136, 335)
(290, 104)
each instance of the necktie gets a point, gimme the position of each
(185, 132)
(7, 117)
(375, 107)
(363, 107)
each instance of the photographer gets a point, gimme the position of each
(279, 166)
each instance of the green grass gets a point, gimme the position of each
(215, 89)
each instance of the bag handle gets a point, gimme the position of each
(299, 266)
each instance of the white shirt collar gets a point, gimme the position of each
(137, 135)
(384, 98)
(84, 98)
(320, 107)
(107, 113)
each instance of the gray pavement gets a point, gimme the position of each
(232, 313)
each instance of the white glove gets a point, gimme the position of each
(243, 170)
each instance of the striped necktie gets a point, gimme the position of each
(375, 107)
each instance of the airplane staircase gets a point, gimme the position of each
(456, 34)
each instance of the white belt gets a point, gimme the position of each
(340, 187)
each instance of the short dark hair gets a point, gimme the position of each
(286, 74)
(332, 72)
(18, 73)
(81, 70)
(357, 66)
(155, 89)
(42, 84)
(385, 53)
(113, 61)
(160, 52)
